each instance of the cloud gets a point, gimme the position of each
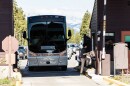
(73, 17)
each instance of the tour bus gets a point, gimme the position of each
(47, 41)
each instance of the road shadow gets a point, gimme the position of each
(49, 72)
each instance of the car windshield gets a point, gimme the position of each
(21, 48)
(72, 45)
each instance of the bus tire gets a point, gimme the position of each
(64, 68)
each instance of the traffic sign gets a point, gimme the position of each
(10, 42)
(10, 46)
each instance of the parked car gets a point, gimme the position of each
(76, 47)
(70, 52)
(22, 53)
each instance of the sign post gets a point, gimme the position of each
(9, 56)
(10, 46)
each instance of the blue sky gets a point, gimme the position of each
(72, 9)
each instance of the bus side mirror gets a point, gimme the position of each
(69, 33)
(24, 35)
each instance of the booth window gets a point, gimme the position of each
(127, 40)
(109, 41)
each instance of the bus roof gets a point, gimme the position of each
(44, 18)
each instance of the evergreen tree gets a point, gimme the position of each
(85, 24)
(19, 23)
(77, 37)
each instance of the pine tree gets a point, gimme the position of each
(77, 37)
(19, 23)
(85, 24)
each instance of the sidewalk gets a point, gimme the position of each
(103, 80)
(96, 78)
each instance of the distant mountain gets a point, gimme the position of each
(74, 23)
(75, 26)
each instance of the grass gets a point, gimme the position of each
(2, 61)
(7, 82)
(124, 78)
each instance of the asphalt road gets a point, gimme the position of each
(54, 76)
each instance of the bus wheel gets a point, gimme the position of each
(64, 68)
(30, 68)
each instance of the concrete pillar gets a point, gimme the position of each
(106, 65)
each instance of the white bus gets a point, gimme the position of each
(47, 41)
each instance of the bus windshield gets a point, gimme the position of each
(48, 36)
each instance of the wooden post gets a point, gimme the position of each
(9, 55)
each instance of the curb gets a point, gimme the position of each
(107, 79)
(118, 83)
